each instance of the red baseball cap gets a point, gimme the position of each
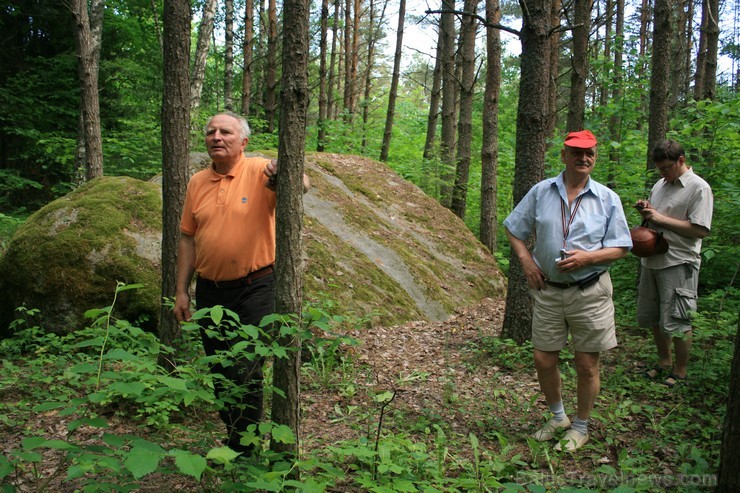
(583, 139)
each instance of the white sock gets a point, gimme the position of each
(558, 410)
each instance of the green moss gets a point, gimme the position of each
(342, 274)
(69, 256)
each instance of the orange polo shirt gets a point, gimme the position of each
(232, 218)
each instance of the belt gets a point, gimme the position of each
(582, 283)
(242, 281)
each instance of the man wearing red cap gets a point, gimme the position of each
(579, 229)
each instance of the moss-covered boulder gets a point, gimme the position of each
(69, 256)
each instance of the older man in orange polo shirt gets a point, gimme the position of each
(228, 240)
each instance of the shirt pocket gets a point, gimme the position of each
(684, 304)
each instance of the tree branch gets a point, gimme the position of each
(480, 19)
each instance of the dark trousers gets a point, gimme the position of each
(251, 302)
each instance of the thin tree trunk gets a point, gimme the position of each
(447, 141)
(531, 126)
(334, 78)
(645, 16)
(289, 215)
(489, 147)
(347, 47)
(554, 69)
(579, 65)
(434, 98)
(88, 55)
(271, 66)
(615, 121)
(710, 61)
(229, 55)
(661, 71)
(375, 28)
(677, 56)
(468, 33)
(247, 55)
(394, 83)
(198, 73)
(323, 77)
(355, 58)
(701, 53)
(175, 133)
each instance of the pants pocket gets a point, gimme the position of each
(684, 304)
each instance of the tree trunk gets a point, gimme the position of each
(271, 66)
(678, 55)
(615, 120)
(709, 84)
(728, 480)
(201, 54)
(289, 214)
(644, 49)
(88, 56)
(375, 31)
(661, 71)
(229, 56)
(579, 65)
(608, 41)
(175, 132)
(531, 127)
(333, 72)
(554, 69)
(468, 33)
(434, 98)
(347, 47)
(247, 55)
(394, 83)
(489, 147)
(701, 53)
(447, 141)
(323, 77)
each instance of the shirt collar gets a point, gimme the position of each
(560, 184)
(231, 174)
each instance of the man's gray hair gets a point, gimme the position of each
(243, 125)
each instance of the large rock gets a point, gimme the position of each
(69, 255)
(376, 248)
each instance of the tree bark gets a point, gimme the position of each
(394, 83)
(333, 73)
(88, 31)
(347, 47)
(271, 66)
(468, 33)
(615, 120)
(323, 77)
(447, 140)
(531, 140)
(554, 75)
(201, 54)
(660, 75)
(489, 147)
(374, 33)
(709, 84)
(248, 56)
(288, 261)
(175, 132)
(229, 56)
(579, 65)
(434, 98)
(728, 480)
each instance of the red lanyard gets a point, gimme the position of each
(566, 228)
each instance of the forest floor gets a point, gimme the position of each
(456, 378)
